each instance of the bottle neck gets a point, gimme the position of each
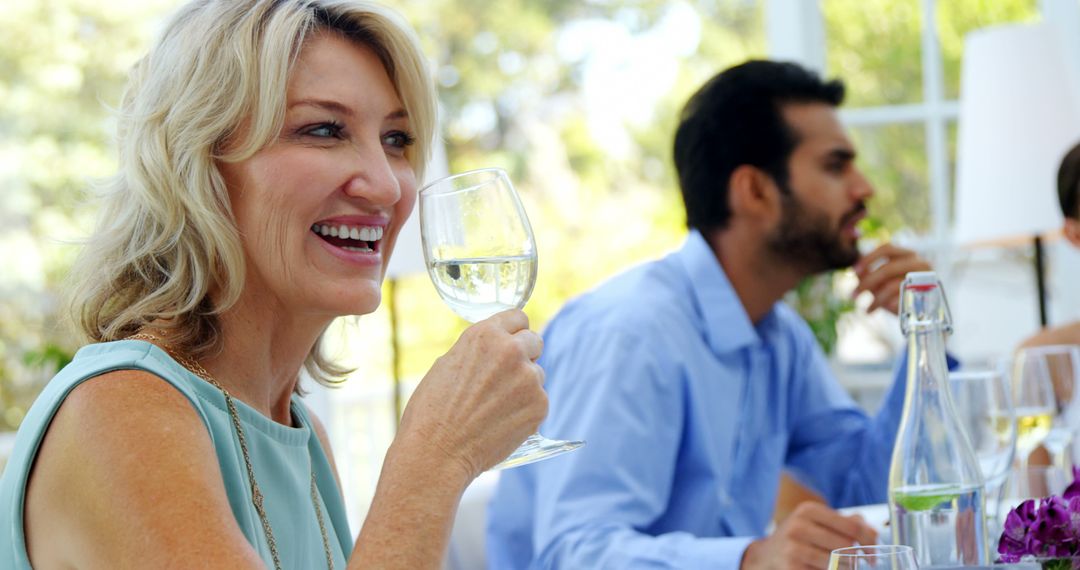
(927, 366)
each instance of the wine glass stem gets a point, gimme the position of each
(1023, 482)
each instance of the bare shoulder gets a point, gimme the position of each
(127, 476)
(324, 439)
(1064, 334)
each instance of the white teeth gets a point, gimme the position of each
(359, 233)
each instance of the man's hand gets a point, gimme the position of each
(881, 271)
(806, 538)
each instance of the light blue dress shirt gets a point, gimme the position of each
(689, 412)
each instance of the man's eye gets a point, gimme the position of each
(398, 139)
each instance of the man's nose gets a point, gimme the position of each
(861, 189)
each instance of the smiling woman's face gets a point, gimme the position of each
(320, 208)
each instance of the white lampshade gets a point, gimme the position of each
(408, 256)
(1018, 118)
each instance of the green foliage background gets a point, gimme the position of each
(63, 62)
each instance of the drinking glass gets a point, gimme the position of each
(981, 398)
(1033, 400)
(481, 256)
(876, 557)
(1062, 364)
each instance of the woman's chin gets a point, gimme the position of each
(366, 305)
(360, 298)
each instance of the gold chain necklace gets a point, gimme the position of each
(256, 494)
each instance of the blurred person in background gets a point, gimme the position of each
(1068, 190)
(269, 155)
(692, 383)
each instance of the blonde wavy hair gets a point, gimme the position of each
(212, 89)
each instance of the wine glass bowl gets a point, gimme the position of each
(981, 398)
(876, 557)
(481, 256)
(1061, 364)
(478, 243)
(1034, 402)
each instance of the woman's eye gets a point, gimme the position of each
(325, 130)
(398, 139)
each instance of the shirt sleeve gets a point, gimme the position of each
(593, 507)
(835, 447)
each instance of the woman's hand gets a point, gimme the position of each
(476, 404)
(482, 398)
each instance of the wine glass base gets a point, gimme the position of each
(536, 448)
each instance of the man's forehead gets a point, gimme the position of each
(817, 126)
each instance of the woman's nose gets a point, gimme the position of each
(372, 178)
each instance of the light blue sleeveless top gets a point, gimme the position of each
(281, 456)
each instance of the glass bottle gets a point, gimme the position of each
(936, 502)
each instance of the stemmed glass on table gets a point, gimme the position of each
(1061, 364)
(1033, 398)
(982, 401)
(876, 557)
(481, 256)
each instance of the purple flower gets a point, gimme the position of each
(1015, 539)
(1073, 490)
(1050, 533)
(1074, 518)
(1049, 528)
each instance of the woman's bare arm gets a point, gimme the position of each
(127, 477)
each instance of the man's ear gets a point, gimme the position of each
(753, 194)
(1072, 231)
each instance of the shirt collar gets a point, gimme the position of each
(727, 326)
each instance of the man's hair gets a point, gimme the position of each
(734, 119)
(1068, 183)
(213, 90)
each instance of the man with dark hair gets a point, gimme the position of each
(692, 384)
(1068, 187)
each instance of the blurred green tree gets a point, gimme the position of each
(552, 90)
(61, 63)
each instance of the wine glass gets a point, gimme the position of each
(481, 256)
(1062, 364)
(1033, 400)
(876, 557)
(981, 399)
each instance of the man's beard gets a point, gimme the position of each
(807, 239)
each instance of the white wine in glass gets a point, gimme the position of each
(481, 256)
(478, 288)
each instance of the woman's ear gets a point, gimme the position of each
(1072, 231)
(753, 194)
